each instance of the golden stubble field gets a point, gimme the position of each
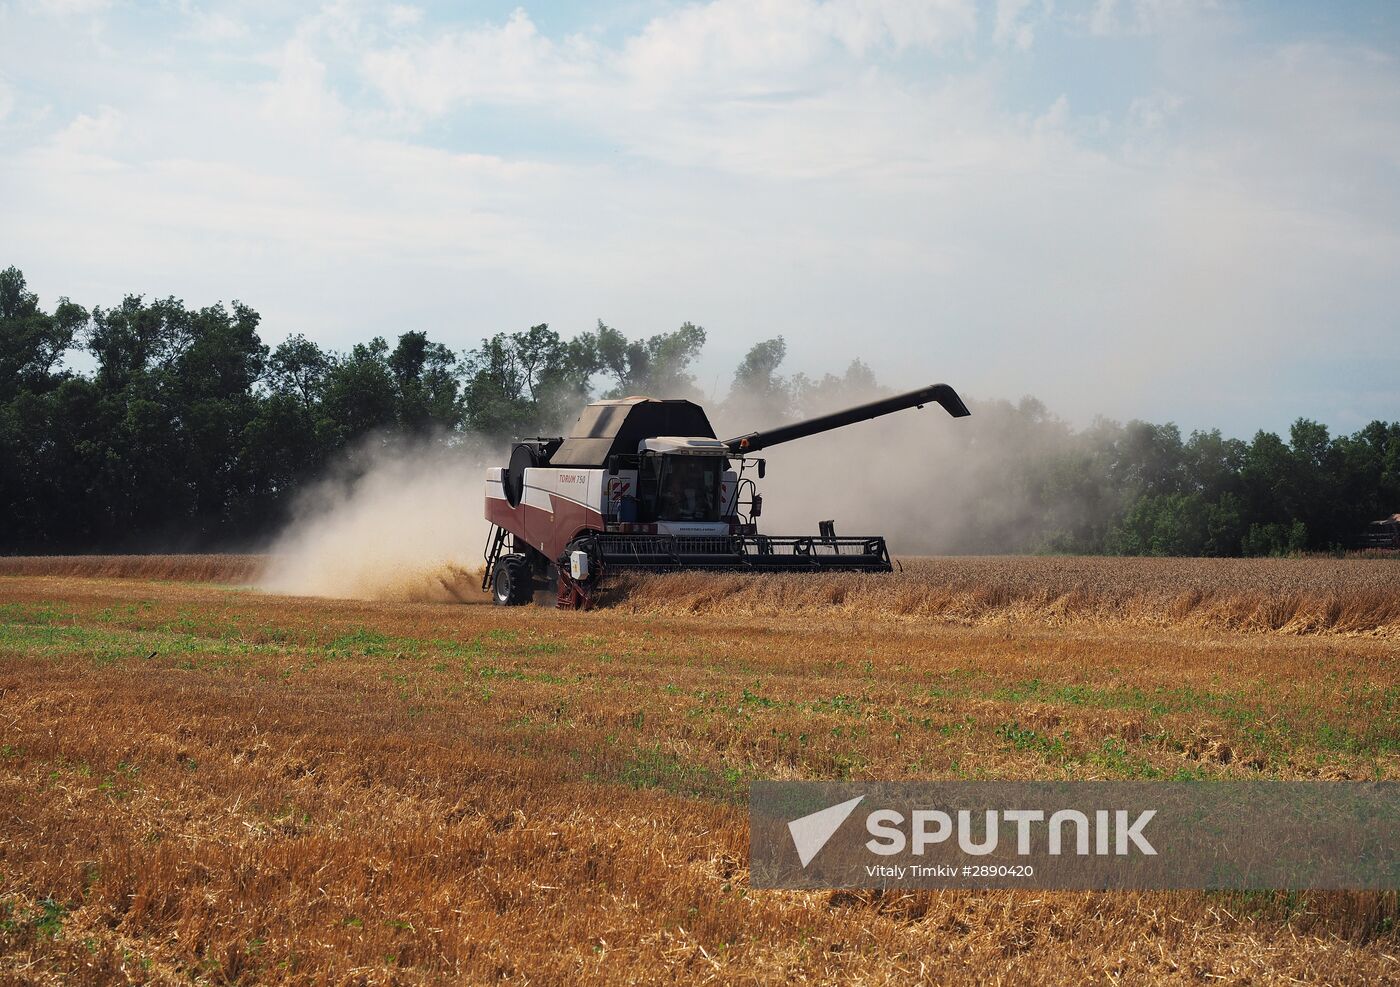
(205, 783)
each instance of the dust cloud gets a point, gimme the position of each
(1009, 479)
(396, 519)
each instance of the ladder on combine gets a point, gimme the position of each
(495, 544)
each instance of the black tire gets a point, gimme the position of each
(513, 585)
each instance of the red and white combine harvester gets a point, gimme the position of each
(643, 483)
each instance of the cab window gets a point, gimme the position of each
(688, 488)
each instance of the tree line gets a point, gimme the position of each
(182, 429)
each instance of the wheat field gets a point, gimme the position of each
(1291, 596)
(206, 783)
(1297, 596)
(157, 568)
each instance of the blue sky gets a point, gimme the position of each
(1143, 208)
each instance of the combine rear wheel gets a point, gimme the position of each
(513, 585)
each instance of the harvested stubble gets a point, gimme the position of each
(442, 582)
(209, 784)
(1292, 596)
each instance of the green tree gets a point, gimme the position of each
(217, 360)
(1162, 524)
(527, 383)
(759, 393)
(32, 342)
(1211, 463)
(188, 431)
(814, 397)
(360, 396)
(1276, 538)
(289, 439)
(1312, 489)
(1150, 458)
(298, 369)
(658, 366)
(428, 389)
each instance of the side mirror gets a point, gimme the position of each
(762, 469)
(757, 507)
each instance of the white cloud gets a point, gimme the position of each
(852, 175)
(509, 63)
(1010, 29)
(100, 132)
(1149, 115)
(68, 8)
(300, 94)
(1053, 120)
(864, 25)
(1141, 17)
(724, 49)
(403, 15)
(215, 27)
(749, 87)
(1104, 18)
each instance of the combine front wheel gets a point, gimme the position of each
(513, 585)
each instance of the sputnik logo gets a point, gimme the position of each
(810, 833)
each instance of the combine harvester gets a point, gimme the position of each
(643, 483)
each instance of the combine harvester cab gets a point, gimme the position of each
(643, 483)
